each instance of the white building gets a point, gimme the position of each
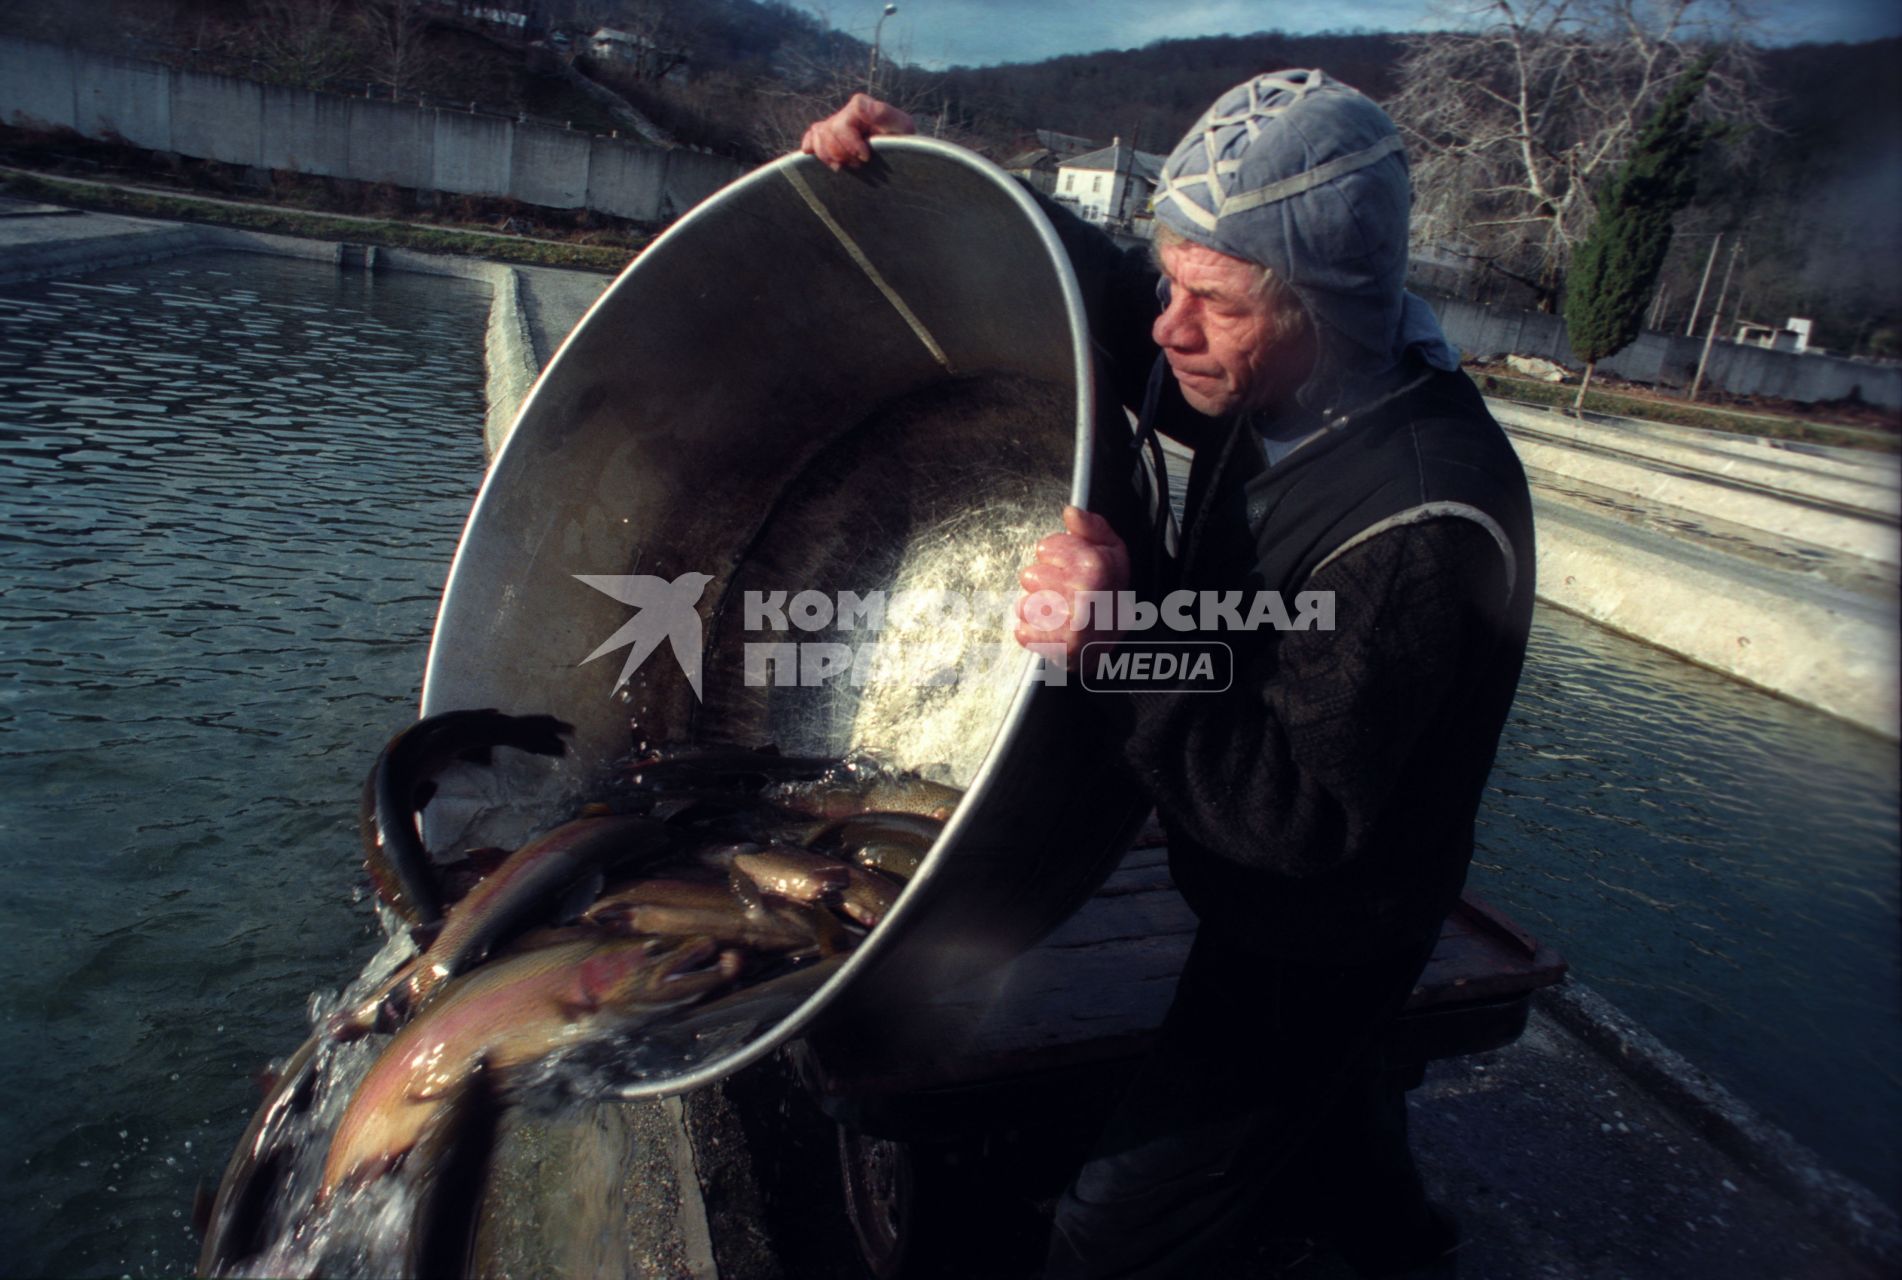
(1793, 336)
(649, 60)
(1111, 186)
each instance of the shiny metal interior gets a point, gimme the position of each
(870, 382)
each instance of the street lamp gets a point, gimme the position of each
(871, 71)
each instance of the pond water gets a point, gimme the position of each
(1723, 866)
(230, 489)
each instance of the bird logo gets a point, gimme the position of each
(667, 611)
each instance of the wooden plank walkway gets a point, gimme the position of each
(1095, 990)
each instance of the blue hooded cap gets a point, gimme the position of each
(1308, 177)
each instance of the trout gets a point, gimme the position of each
(234, 1227)
(402, 782)
(505, 1016)
(683, 907)
(841, 798)
(867, 896)
(524, 888)
(801, 876)
(910, 829)
(900, 861)
(787, 872)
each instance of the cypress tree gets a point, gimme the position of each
(1615, 270)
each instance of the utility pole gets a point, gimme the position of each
(1716, 317)
(1658, 304)
(871, 71)
(1690, 327)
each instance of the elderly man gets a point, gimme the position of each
(1320, 811)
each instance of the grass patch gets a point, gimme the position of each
(318, 226)
(1650, 409)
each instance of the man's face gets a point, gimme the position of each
(1227, 347)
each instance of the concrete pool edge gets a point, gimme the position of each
(1846, 1208)
(1823, 647)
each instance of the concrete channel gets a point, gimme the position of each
(1584, 1149)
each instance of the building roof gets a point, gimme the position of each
(1035, 158)
(1064, 144)
(1117, 158)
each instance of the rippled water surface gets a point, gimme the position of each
(229, 490)
(1722, 865)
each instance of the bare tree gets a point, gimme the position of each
(392, 32)
(814, 87)
(1518, 121)
(299, 42)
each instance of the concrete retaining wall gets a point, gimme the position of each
(1813, 643)
(242, 122)
(549, 167)
(390, 143)
(628, 183)
(1871, 491)
(475, 158)
(1871, 538)
(216, 115)
(36, 81)
(1671, 360)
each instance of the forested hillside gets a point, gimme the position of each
(1149, 96)
(1804, 186)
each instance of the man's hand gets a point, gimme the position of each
(1087, 556)
(842, 140)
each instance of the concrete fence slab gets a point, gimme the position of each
(303, 132)
(627, 181)
(1671, 359)
(391, 143)
(120, 98)
(326, 135)
(692, 176)
(473, 154)
(550, 167)
(217, 117)
(37, 83)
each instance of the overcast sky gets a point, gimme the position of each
(938, 33)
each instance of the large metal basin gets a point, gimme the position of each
(865, 382)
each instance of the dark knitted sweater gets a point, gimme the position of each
(1324, 804)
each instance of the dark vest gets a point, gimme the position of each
(1431, 452)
